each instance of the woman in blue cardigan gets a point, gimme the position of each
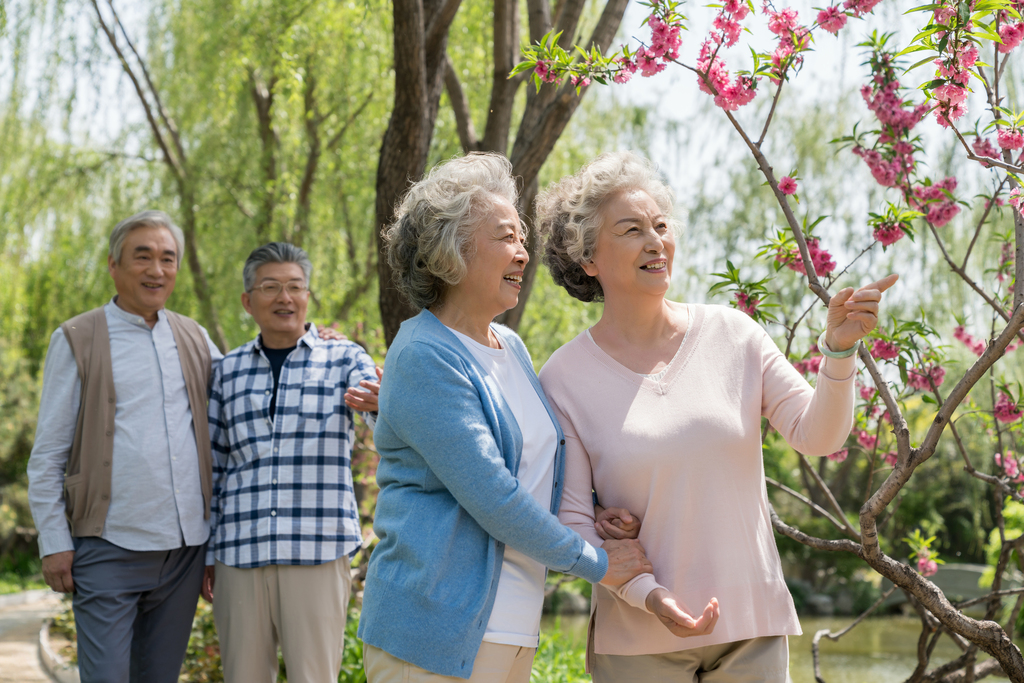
(471, 455)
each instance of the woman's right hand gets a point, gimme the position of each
(664, 604)
(626, 559)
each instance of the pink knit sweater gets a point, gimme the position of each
(684, 454)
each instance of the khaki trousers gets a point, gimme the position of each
(494, 663)
(745, 661)
(302, 608)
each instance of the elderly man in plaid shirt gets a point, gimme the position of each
(285, 524)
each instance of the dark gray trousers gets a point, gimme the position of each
(134, 610)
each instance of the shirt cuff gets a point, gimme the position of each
(53, 542)
(839, 369)
(636, 590)
(209, 554)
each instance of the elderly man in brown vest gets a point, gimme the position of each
(120, 473)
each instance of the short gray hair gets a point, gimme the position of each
(145, 219)
(431, 239)
(569, 215)
(274, 252)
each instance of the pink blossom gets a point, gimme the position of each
(1006, 410)
(832, 19)
(977, 346)
(926, 566)
(940, 214)
(578, 81)
(890, 458)
(787, 185)
(889, 233)
(746, 303)
(1015, 198)
(737, 8)
(866, 440)
(983, 147)
(1011, 35)
(822, 260)
(1010, 139)
(968, 58)
(860, 7)
(782, 22)
(729, 27)
(808, 366)
(648, 62)
(948, 112)
(839, 455)
(884, 350)
(924, 377)
(867, 392)
(546, 73)
(951, 93)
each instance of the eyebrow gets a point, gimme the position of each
(166, 252)
(633, 219)
(294, 279)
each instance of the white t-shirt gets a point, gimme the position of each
(515, 619)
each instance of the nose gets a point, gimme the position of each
(653, 242)
(522, 256)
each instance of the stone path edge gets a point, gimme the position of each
(55, 665)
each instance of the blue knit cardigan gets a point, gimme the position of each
(449, 501)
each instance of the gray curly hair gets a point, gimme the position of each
(570, 213)
(430, 241)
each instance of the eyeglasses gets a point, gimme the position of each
(272, 289)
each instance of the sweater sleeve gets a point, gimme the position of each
(577, 511)
(438, 412)
(814, 421)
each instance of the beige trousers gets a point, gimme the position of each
(746, 661)
(301, 608)
(494, 663)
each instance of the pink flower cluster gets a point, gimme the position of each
(983, 147)
(867, 392)
(890, 458)
(977, 346)
(746, 302)
(793, 39)
(839, 455)
(889, 233)
(955, 69)
(1005, 409)
(1015, 198)
(1011, 467)
(926, 566)
(787, 185)
(933, 201)
(820, 258)
(1011, 34)
(810, 365)
(884, 350)
(867, 440)
(923, 378)
(832, 19)
(860, 7)
(1010, 139)
(546, 73)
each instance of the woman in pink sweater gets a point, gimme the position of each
(661, 404)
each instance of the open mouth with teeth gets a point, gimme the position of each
(654, 265)
(516, 280)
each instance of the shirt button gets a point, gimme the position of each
(273, 481)
(110, 400)
(276, 449)
(267, 393)
(105, 497)
(106, 463)
(177, 490)
(109, 433)
(273, 513)
(562, 442)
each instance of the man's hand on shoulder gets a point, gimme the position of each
(365, 401)
(57, 571)
(330, 334)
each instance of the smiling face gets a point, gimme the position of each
(145, 275)
(282, 316)
(494, 273)
(635, 247)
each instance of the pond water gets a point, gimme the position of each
(878, 650)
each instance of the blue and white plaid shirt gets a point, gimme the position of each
(282, 486)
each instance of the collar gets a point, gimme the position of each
(310, 339)
(131, 318)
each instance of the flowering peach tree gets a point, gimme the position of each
(963, 46)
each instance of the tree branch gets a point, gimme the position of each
(460, 107)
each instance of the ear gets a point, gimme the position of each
(111, 265)
(590, 268)
(246, 303)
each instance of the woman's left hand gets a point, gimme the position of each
(615, 523)
(852, 314)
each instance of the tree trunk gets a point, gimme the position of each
(419, 80)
